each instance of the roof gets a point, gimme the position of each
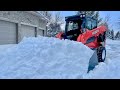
(76, 17)
(39, 15)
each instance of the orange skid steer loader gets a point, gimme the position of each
(82, 28)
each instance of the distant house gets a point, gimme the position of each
(14, 25)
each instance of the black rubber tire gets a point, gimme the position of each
(100, 50)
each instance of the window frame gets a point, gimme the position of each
(72, 26)
(91, 27)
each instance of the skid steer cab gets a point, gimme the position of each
(84, 29)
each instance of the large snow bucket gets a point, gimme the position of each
(93, 61)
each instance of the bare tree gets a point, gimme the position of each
(106, 22)
(94, 14)
(54, 26)
(118, 23)
(58, 18)
(49, 14)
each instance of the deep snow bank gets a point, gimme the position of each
(45, 57)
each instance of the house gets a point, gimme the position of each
(14, 25)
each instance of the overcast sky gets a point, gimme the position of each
(113, 14)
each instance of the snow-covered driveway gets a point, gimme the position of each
(3, 48)
(113, 49)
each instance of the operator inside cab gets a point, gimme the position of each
(74, 27)
(73, 30)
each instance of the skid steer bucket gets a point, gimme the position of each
(93, 61)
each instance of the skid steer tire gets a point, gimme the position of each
(101, 54)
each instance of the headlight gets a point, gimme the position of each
(82, 15)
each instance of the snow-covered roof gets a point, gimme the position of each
(37, 13)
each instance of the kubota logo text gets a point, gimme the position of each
(95, 32)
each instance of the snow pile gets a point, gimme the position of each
(111, 68)
(44, 57)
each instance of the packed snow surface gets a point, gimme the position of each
(44, 57)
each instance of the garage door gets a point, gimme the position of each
(40, 32)
(27, 31)
(7, 32)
